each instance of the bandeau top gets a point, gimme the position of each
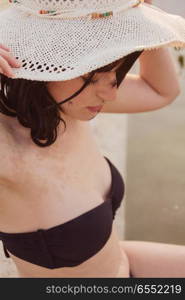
(73, 242)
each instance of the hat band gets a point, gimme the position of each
(74, 14)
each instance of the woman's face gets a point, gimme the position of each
(101, 90)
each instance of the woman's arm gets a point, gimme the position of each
(155, 87)
(155, 260)
(166, 81)
(157, 68)
(7, 61)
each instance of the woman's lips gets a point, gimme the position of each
(94, 108)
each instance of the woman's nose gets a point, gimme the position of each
(107, 87)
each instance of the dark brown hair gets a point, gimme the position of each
(34, 107)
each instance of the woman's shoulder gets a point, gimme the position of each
(8, 155)
(19, 157)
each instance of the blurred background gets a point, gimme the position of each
(149, 151)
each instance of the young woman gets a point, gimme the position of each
(59, 196)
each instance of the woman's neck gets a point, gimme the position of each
(20, 135)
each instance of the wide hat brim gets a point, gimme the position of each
(57, 50)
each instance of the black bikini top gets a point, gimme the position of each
(73, 242)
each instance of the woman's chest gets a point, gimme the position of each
(55, 189)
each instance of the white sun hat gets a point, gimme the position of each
(59, 40)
